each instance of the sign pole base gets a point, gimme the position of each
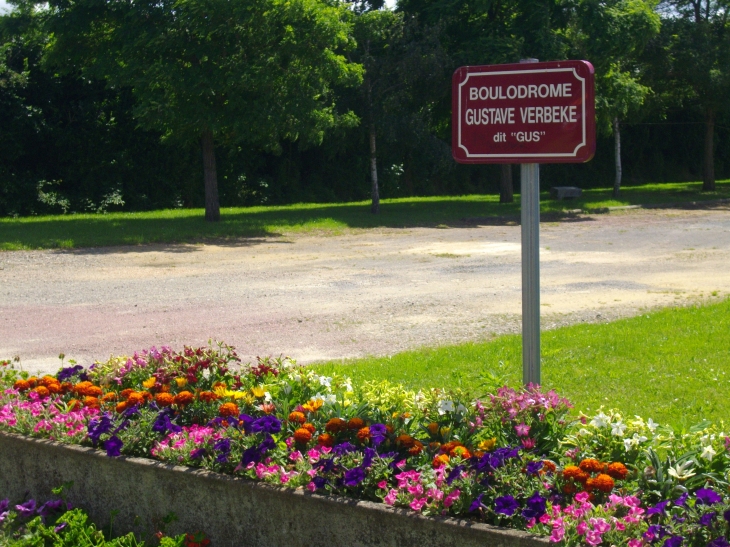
(530, 213)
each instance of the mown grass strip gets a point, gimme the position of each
(188, 226)
(671, 365)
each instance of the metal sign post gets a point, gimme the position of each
(527, 113)
(530, 213)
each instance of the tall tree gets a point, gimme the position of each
(611, 34)
(216, 71)
(700, 57)
(404, 70)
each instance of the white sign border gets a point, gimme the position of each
(554, 155)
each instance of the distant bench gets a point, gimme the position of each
(565, 192)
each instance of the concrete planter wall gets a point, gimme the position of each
(232, 511)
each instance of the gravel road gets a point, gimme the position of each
(365, 292)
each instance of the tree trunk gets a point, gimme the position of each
(617, 144)
(375, 207)
(506, 191)
(708, 183)
(212, 205)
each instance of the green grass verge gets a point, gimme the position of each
(671, 365)
(187, 225)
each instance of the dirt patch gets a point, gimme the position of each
(364, 292)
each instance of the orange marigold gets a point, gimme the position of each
(389, 429)
(617, 470)
(135, 398)
(363, 434)
(91, 402)
(416, 449)
(67, 387)
(121, 407)
(81, 387)
(356, 423)
(576, 473)
(460, 451)
(302, 436)
(21, 385)
(435, 445)
(325, 439)
(42, 391)
(602, 483)
(447, 448)
(111, 396)
(433, 428)
(74, 404)
(164, 399)
(569, 488)
(441, 459)
(54, 387)
(183, 398)
(126, 393)
(297, 417)
(548, 466)
(33, 381)
(591, 465)
(406, 441)
(47, 380)
(336, 425)
(207, 396)
(310, 427)
(229, 409)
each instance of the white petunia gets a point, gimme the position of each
(618, 428)
(652, 425)
(584, 432)
(708, 453)
(600, 420)
(445, 406)
(461, 408)
(326, 399)
(325, 381)
(267, 397)
(628, 444)
(206, 373)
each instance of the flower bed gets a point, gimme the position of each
(517, 459)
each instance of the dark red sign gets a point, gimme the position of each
(524, 113)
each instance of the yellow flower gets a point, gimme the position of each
(181, 382)
(445, 431)
(314, 405)
(487, 444)
(258, 392)
(149, 382)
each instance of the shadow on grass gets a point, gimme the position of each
(252, 226)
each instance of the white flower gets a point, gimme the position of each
(639, 438)
(708, 453)
(618, 428)
(348, 385)
(296, 377)
(445, 406)
(325, 381)
(628, 444)
(286, 388)
(652, 425)
(206, 373)
(682, 471)
(600, 420)
(326, 399)
(584, 432)
(461, 408)
(267, 397)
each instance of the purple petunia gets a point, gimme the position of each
(367, 460)
(4, 504)
(65, 373)
(224, 447)
(535, 507)
(674, 541)
(98, 426)
(707, 518)
(681, 500)
(454, 474)
(354, 477)
(51, 507)
(378, 434)
(658, 509)
(719, 542)
(726, 515)
(477, 503)
(113, 446)
(60, 527)
(163, 424)
(27, 509)
(705, 496)
(533, 468)
(506, 505)
(197, 454)
(266, 424)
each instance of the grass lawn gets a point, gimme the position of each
(671, 365)
(187, 225)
